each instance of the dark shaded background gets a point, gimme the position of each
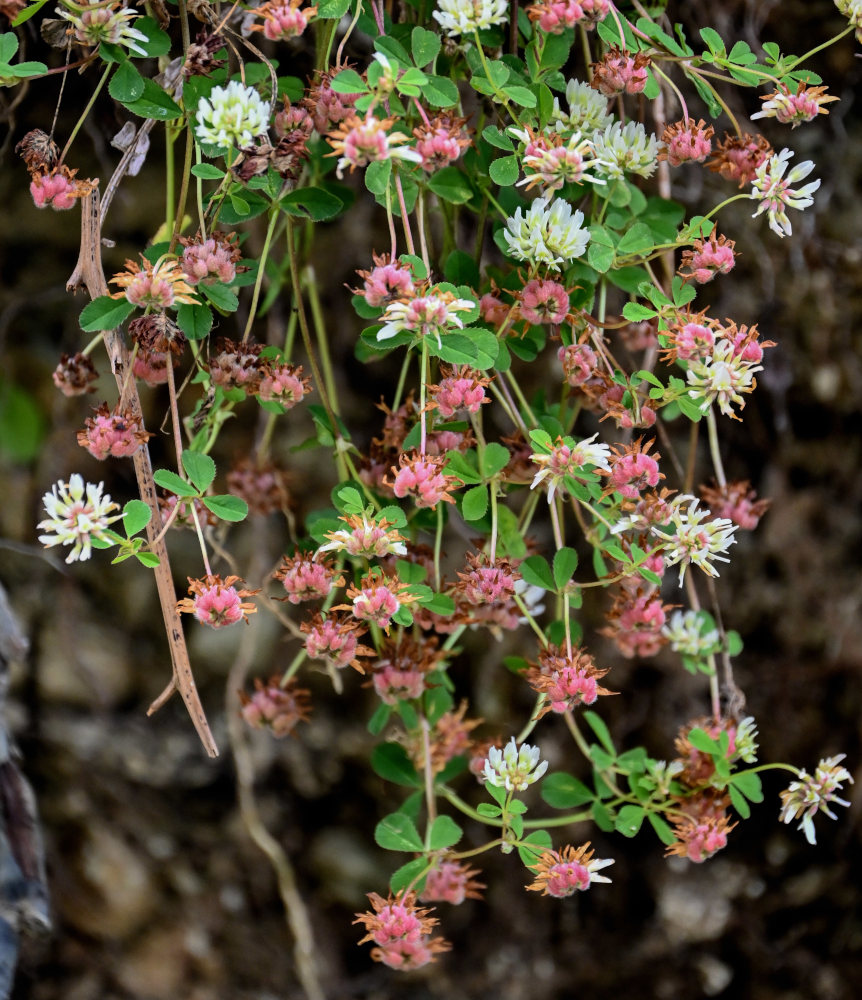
(158, 891)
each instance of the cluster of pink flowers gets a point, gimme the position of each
(554, 16)
(567, 678)
(707, 258)
(619, 72)
(636, 621)
(544, 301)
(306, 578)
(460, 389)
(578, 361)
(451, 882)
(283, 19)
(216, 602)
(60, 190)
(209, 261)
(386, 282)
(422, 478)
(487, 582)
(632, 470)
(440, 142)
(563, 873)
(335, 639)
(687, 141)
(401, 931)
(116, 434)
(275, 706)
(283, 383)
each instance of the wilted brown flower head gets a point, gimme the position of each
(75, 374)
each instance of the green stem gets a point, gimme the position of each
(694, 600)
(170, 180)
(423, 379)
(468, 810)
(525, 406)
(184, 190)
(309, 349)
(531, 621)
(402, 377)
(719, 99)
(714, 449)
(438, 544)
(86, 111)
(498, 94)
(310, 284)
(258, 281)
(819, 48)
(492, 486)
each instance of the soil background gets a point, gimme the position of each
(158, 892)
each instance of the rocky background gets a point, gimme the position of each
(157, 891)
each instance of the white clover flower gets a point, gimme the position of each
(774, 192)
(462, 17)
(663, 773)
(101, 24)
(73, 519)
(547, 235)
(811, 795)
(627, 149)
(852, 10)
(232, 116)
(721, 378)
(587, 111)
(683, 631)
(698, 537)
(745, 741)
(429, 315)
(512, 768)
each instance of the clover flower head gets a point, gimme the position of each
(401, 930)
(428, 315)
(77, 512)
(451, 882)
(365, 537)
(562, 873)
(774, 192)
(102, 24)
(283, 19)
(617, 72)
(552, 164)
(365, 140)
(721, 378)
(548, 233)
(231, 116)
(514, 768)
(698, 537)
(685, 635)
(568, 458)
(275, 707)
(554, 16)
(852, 10)
(626, 149)
(216, 602)
(587, 110)
(813, 793)
(158, 286)
(794, 109)
(462, 17)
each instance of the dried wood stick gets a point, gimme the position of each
(88, 272)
